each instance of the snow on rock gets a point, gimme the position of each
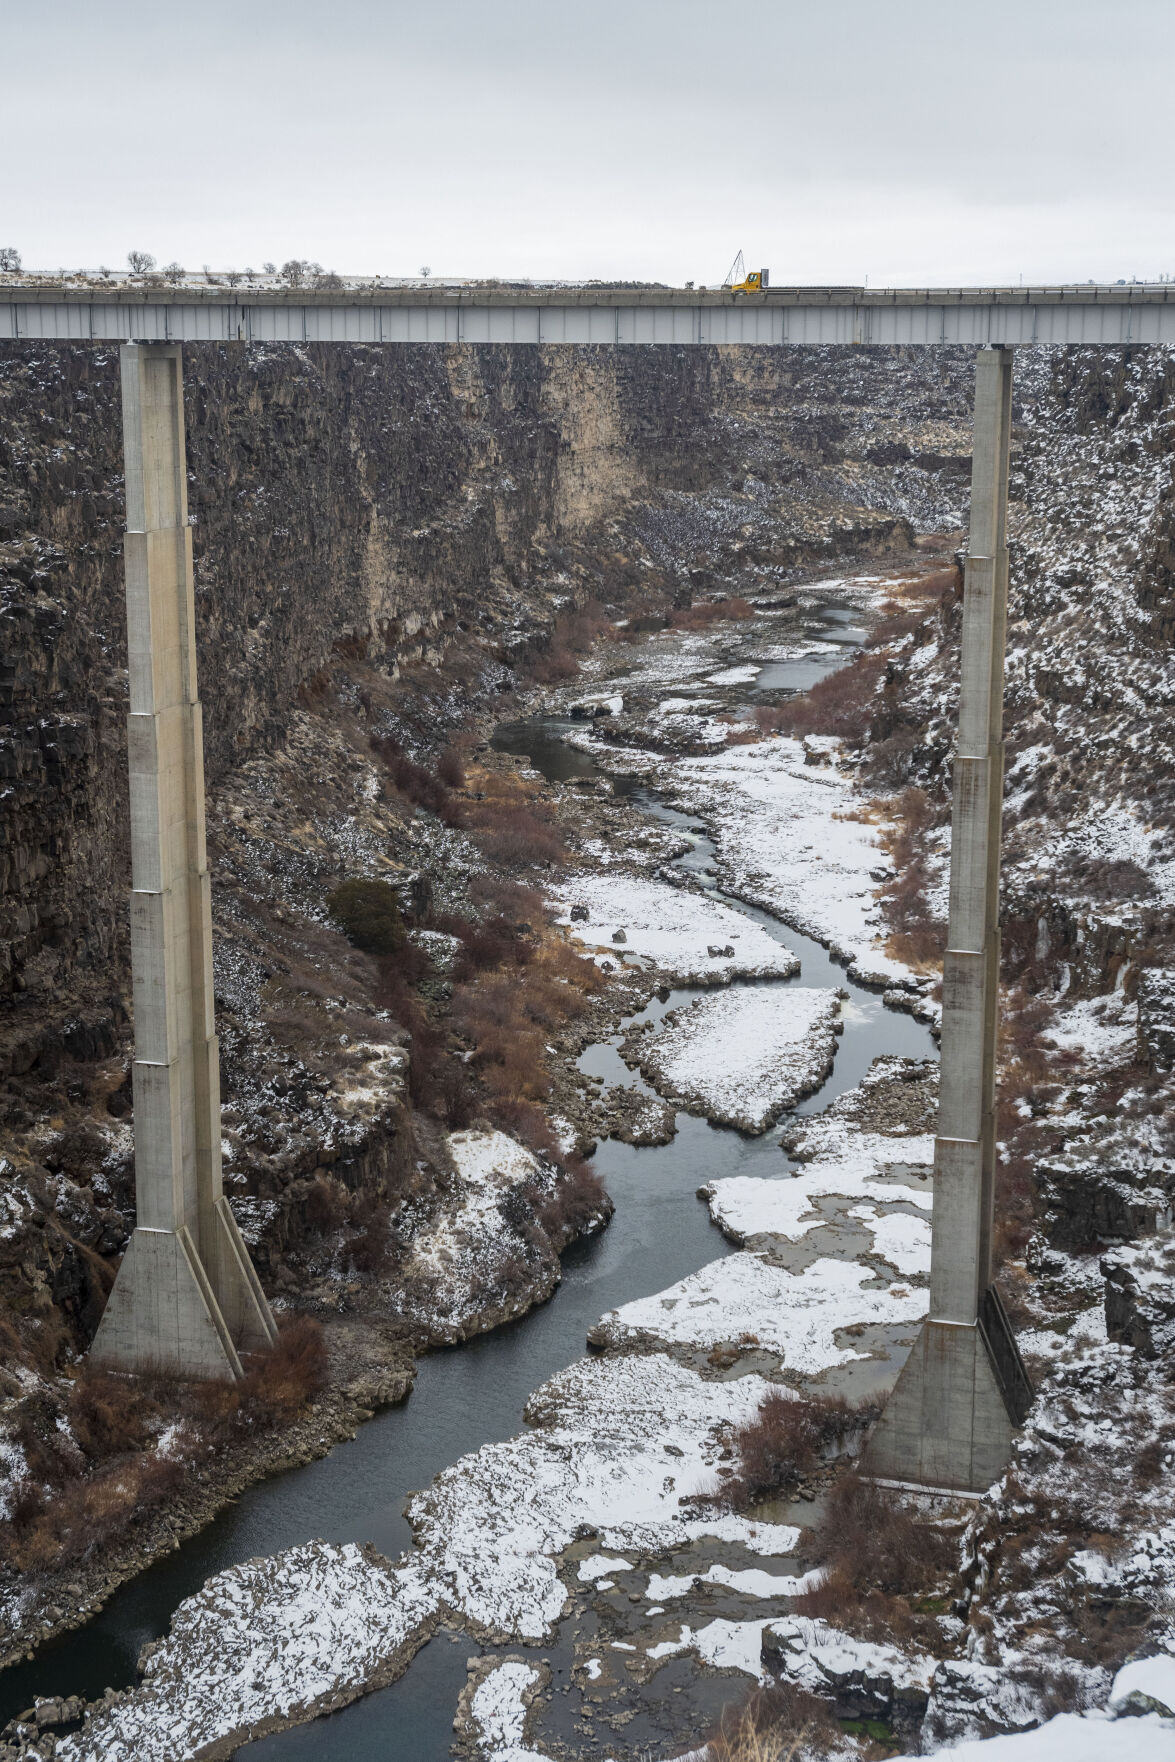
(1146, 1685)
(745, 1300)
(899, 1239)
(598, 1460)
(1070, 1737)
(673, 927)
(823, 1659)
(463, 1248)
(747, 1208)
(750, 1581)
(1103, 1029)
(723, 1645)
(744, 675)
(786, 842)
(264, 1644)
(498, 1712)
(600, 1566)
(743, 1057)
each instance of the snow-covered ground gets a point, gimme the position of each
(616, 1444)
(795, 839)
(461, 1251)
(750, 1302)
(689, 936)
(743, 1057)
(1070, 1737)
(265, 1642)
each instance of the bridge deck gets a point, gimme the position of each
(193, 313)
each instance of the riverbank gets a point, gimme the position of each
(604, 821)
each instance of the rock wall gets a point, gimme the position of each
(394, 497)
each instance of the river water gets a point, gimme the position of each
(468, 1395)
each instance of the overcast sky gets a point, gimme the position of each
(907, 141)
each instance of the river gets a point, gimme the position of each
(470, 1394)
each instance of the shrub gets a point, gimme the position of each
(920, 600)
(776, 1724)
(324, 1205)
(577, 1199)
(709, 612)
(280, 1382)
(450, 768)
(277, 1384)
(50, 1531)
(514, 835)
(1121, 879)
(843, 703)
(368, 913)
(415, 782)
(111, 1415)
(494, 943)
(877, 1555)
(789, 1437)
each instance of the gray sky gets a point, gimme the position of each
(910, 141)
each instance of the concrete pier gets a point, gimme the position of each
(950, 1419)
(187, 1298)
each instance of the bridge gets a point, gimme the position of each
(187, 1296)
(499, 313)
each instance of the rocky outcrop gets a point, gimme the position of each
(1140, 1298)
(1104, 1191)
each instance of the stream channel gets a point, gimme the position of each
(468, 1395)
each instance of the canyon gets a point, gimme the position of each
(408, 554)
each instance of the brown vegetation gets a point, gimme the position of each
(843, 703)
(414, 782)
(512, 825)
(887, 1567)
(907, 613)
(707, 612)
(789, 1437)
(577, 1200)
(80, 1494)
(572, 634)
(917, 937)
(777, 1724)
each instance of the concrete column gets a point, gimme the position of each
(949, 1420)
(187, 1296)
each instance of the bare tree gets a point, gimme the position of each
(328, 279)
(9, 260)
(140, 261)
(425, 271)
(268, 269)
(293, 272)
(233, 277)
(174, 271)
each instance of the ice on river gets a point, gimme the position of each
(746, 1300)
(743, 1057)
(882, 1173)
(696, 939)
